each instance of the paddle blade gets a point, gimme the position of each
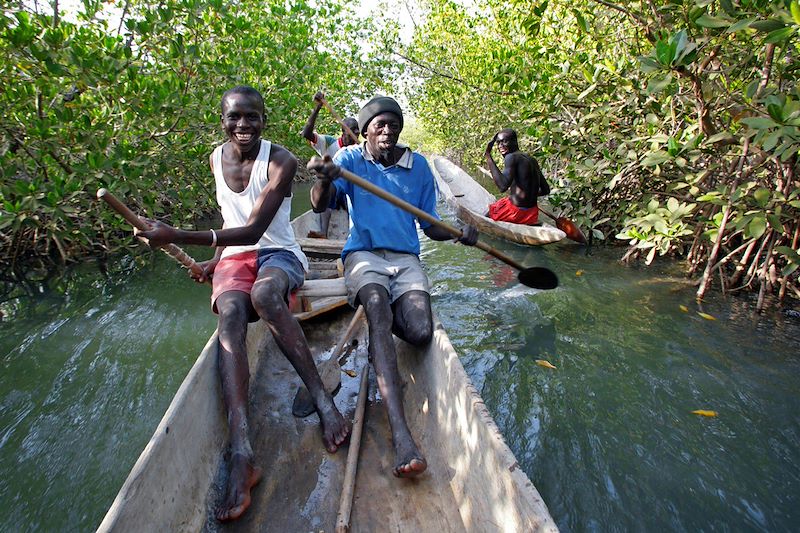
(538, 278)
(573, 232)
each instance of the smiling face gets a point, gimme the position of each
(507, 142)
(383, 132)
(243, 120)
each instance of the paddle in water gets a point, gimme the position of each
(572, 230)
(535, 277)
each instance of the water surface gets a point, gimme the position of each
(608, 437)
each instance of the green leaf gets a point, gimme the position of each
(794, 7)
(767, 25)
(655, 158)
(790, 253)
(707, 21)
(587, 91)
(673, 147)
(757, 227)
(742, 24)
(775, 221)
(759, 123)
(581, 21)
(658, 84)
(721, 136)
(781, 35)
(789, 269)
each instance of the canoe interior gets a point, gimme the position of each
(473, 482)
(470, 201)
(338, 229)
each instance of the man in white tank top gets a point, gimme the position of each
(256, 265)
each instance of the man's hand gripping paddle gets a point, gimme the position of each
(170, 249)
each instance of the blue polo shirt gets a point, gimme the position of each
(375, 223)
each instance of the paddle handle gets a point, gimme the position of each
(171, 249)
(422, 215)
(349, 332)
(346, 499)
(339, 119)
(547, 214)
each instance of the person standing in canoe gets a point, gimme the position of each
(256, 266)
(327, 144)
(382, 269)
(521, 176)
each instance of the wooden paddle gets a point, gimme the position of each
(536, 277)
(330, 371)
(572, 230)
(170, 249)
(348, 486)
(339, 120)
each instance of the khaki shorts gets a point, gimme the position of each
(398, 273)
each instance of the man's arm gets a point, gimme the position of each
(469, 234)
(544, 187)
(308, 129)
(501, 179)
(323, 187)
(282, 169)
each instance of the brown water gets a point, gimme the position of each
(88, 367)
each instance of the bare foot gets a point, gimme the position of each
(335, 429)
(410, 462)
(243, 476)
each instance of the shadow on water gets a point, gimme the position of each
(608, 437)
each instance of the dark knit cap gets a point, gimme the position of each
(376, 106)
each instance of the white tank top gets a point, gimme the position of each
(236, 207)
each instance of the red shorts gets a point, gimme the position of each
(239, 272)
(504, 211)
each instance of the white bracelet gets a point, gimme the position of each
(213, 238)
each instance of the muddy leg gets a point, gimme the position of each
(269, 301)
(409, 461)
(234, 308)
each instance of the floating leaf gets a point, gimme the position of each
(579, 273)
(684, 308)
(706, 316)
(544, 363)
(351, 373)
(704, 412)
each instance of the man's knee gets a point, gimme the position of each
(233, 312)
(375, 299)
(268, 295)
(413, 319)
(418, 332)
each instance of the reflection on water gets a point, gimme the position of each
(607, 437)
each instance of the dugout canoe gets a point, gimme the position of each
(473, 481)
(470, 201)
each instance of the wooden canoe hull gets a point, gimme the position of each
(470, 200)
(473, 482)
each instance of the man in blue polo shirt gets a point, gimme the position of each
(381, 256)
